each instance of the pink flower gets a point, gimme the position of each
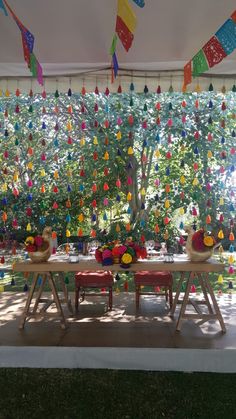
(122, 249)
(107, 254)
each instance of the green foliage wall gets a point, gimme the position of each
(117, 164)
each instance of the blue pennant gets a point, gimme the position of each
(115, 64)
(140, 3)
(227, 36)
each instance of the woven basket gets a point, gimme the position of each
(38, 257)
(193, 255)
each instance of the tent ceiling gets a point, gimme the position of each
(74, 35)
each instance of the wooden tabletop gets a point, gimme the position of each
(62, 264)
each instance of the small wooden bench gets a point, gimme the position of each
(154, 279)
(86, 279)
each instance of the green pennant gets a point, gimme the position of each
(33, 65)
(113, 45)
(199, 63)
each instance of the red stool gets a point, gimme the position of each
(154, 279)
(88, 279)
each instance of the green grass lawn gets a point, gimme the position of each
(114, 394)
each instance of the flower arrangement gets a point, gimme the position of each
(38, 247)
(199, 245)
(116, 252)
(202, 241)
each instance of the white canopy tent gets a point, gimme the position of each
(73, 37)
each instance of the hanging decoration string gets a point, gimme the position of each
(125, 26)
(222, 44)
(27, 43)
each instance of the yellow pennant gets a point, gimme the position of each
(81, 218)
(118, 135)
(28, 227)
(221, 201)
(167, 204)
(157, 154)
(129, 196)
(106, 155)
(56, 174)
(16, 176)
(127, 15)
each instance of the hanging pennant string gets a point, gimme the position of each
(27, 43)
(3, 7)
(214, 51)
(125, 26)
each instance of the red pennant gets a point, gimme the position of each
(25, 50)
(214, 51)
(233, 16)
(124, 33)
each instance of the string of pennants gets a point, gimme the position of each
(125, 26)
(27, 43)
(221, 44)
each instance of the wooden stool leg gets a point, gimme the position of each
(65, 292)
(39, 293)
(28, 302)
(56, 299)
(215, 305)
(166, 294)
(177, 294)
(185, 301)
(204, 290)
(110, 298)
(77, 292)
(137, 296)
(170, 296)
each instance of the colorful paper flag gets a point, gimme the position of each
(188, 73)
(25, 50)
(33, 65)
(39, 74)
(140, 3)
(28, 45)
(233, 16)
(113, 45)
(199, 63)
(226, 35)
(125, 12)
(115, 64)
(214, 51)
(124, 33)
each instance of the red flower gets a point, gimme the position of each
(38, 240)
(98, 255)
(31, 248)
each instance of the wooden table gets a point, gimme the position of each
(189, 271)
